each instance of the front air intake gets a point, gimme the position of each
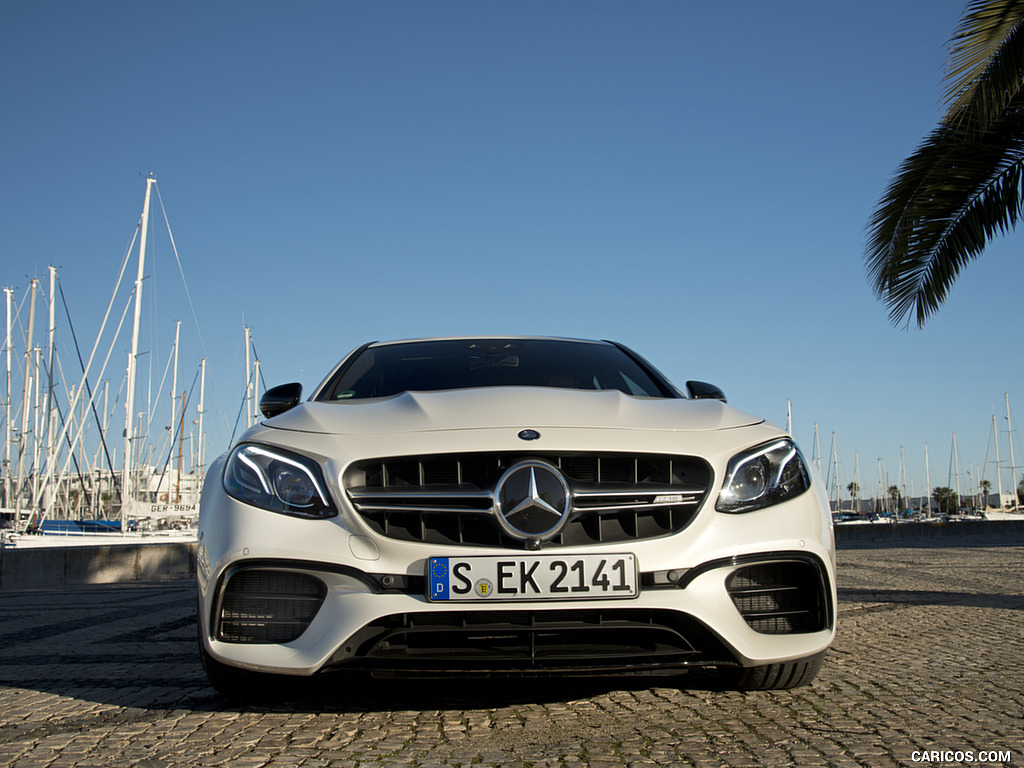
(780, 598)
(259, 605)
(519, 641)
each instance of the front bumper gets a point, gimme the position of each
(725, 591)
(746, 610)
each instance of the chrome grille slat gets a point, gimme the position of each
(634, 492)
(421, 509)
(407, 492)
(599, 508)
(596, 499)
(448, 498)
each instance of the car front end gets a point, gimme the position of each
(515, 530)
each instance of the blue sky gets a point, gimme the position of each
(690, 178)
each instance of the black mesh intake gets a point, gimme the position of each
(267, 606)
(780, 598)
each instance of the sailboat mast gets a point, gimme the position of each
(248, 381)
(903, 477)
(956, 467)
(49, 414)
(882, 494)
(927, 482)
(202, 394)
(174, 377)
(37, 428)
(174, 405)
(999, 467)
(106, 423)
(25, 404)
(255, 416)
(181, 437)
(7, 404)
(1013, 466)
(835, 464)
(129, 421)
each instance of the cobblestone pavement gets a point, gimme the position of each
(929, 659)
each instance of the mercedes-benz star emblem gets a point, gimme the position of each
(532, 500)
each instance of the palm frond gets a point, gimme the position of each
(986, 64)
(946, 201)
(993, 212)
(963, 185)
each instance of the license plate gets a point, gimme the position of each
(531, 577)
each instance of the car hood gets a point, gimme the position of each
(505, 407)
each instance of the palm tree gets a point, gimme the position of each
(986, 489)
(895, 499)
(946, 499)
(963, 184)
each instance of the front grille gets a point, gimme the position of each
(780, 598)
(563, 640)
(268, 606)
(448, 499)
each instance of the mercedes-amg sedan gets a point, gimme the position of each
(512, 506)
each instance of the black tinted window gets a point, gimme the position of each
(424, 366)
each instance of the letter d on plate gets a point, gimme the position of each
(439, 578)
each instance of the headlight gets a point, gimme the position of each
(277, 480)
(764, 476)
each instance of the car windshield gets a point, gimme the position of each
(424, 366)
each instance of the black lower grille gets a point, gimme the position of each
(268, 606)
(563, 640)
(448, 499)
(780, 598)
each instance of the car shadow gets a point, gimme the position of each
(896, 597)
(359, 693)
(169, 676)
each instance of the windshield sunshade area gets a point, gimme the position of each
(426, 366)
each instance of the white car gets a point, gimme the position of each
(512, 506)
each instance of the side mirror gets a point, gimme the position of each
(279, 399)
(701, 390)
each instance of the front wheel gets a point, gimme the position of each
(239, 684)
(235, 683)
(777, 677)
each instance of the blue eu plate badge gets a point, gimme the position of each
(439, 578)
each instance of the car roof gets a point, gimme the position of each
(485, 337)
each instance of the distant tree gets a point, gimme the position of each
(895, 499)
(962, 187)
(946, 499)
(854, 489)
(986, 489)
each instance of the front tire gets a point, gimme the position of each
(234, 683)
(238, 684)
(778, 677)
